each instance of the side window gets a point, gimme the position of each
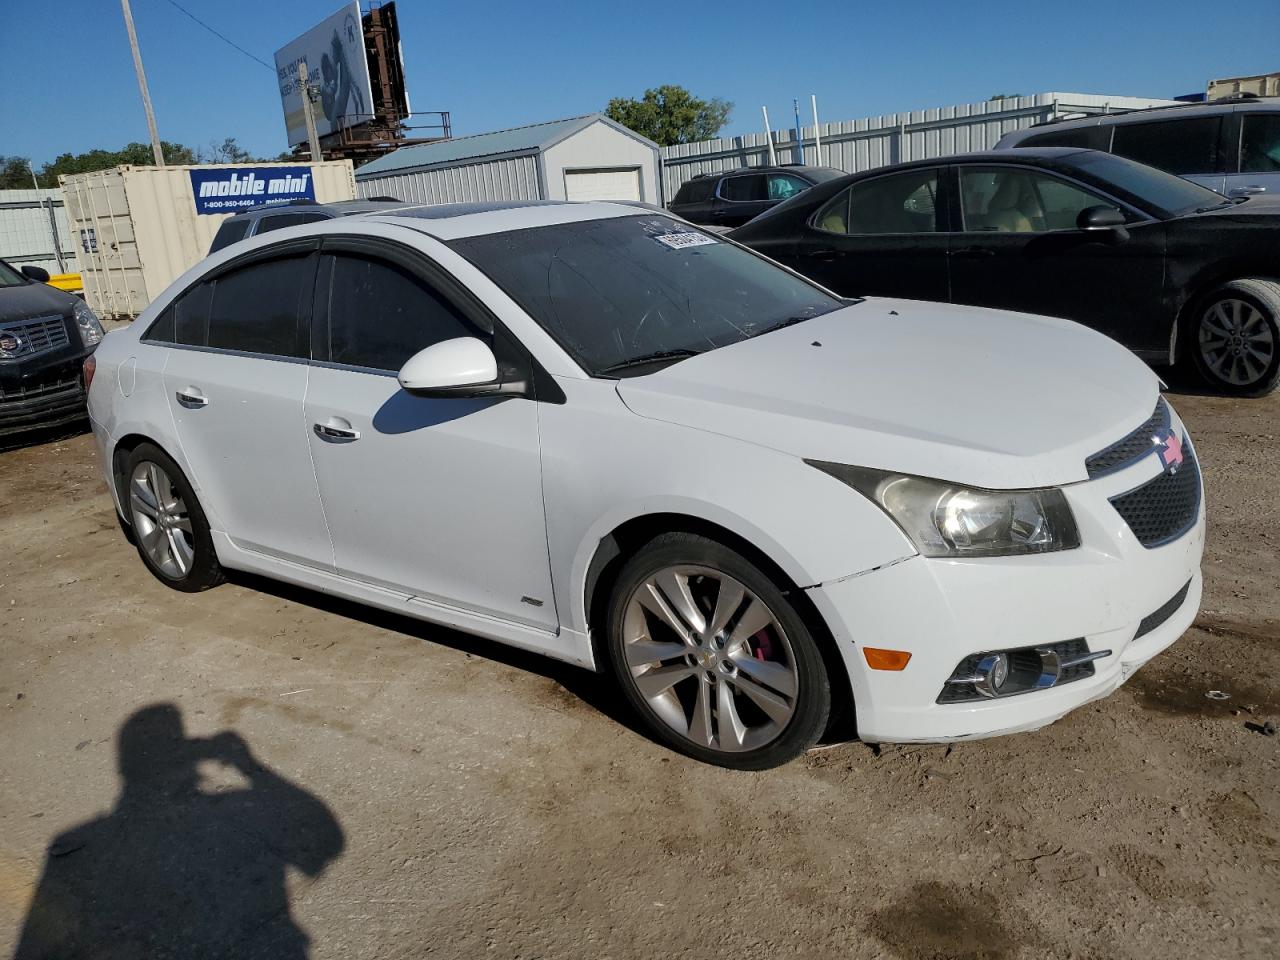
(281, 220)
(191, 316)
(229, 233)
(1175, 146)
(256, 309)
(749, 187)
(380, 315)
(1260, 143)
(903, 203)
(1013, 200)
(696, 191)
(783, 186)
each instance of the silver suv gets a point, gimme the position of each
(1231, 146)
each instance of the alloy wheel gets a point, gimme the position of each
(161, 520)
(1236, 342)
(710, 659)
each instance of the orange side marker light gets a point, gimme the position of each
(878, 659)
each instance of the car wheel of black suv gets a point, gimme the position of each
(1235, 337)
(714, 656)
(169, 527)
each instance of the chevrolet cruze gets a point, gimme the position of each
(597, 432)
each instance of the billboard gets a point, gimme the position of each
(232, 189)
(334, 53)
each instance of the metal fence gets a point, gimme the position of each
(856, 145)
(34, 230)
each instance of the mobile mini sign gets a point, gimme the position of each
(232, 189)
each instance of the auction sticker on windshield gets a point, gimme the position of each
(678, 241)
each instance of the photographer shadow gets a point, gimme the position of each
(177, 869)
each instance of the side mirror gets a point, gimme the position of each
(36, 273)
(462, 367)
(1102, 219)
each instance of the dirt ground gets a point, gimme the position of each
(396, 790)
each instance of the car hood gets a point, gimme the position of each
(33, 300)
(982, 397)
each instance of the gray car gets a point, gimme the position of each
(277, 216)
(1231, 146)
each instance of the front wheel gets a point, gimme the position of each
(1236, 338)
(714, 656)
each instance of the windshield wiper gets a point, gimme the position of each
(656, 357)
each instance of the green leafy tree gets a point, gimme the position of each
(670, 114)
(14, 173)
(228, 151)
(137, 154)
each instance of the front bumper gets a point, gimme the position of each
(945, 610)
(54, 398)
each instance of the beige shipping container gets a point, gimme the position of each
(1260, 85)
(135, 229)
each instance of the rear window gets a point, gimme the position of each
(229, 233)
(281, 220)
(1187, 146)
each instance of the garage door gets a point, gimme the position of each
(613, 184)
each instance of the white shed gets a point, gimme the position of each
(581, 158)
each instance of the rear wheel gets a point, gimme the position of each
(714, 656)
(169, 527)
(1235, 341)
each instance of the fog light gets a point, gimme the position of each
(992, 672)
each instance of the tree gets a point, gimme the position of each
(670, 114)
(15, 174)
(137, 154)
(228, 151)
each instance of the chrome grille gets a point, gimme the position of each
(37, 335)
(1134, 446)
(1165, 508)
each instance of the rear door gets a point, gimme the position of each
(235, 380)
(437, 499)
(741, 197)
(1018, 248)
(1258, 164)
(882, 237)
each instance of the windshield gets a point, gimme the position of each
(10, 277)
(1160, 192)
(623, 295)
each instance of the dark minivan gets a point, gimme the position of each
(731, 198)
(45, 336)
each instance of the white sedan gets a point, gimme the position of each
(595, 431)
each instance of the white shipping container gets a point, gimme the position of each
(135, 229)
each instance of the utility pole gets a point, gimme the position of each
(308, 111)
(142, 84)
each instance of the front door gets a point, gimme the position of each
(1019, 249)
(438, 499)
(235, 381)
(880, 237)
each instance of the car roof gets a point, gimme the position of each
(338, 208)
(1024, 155)
(449, 221)
(1173, 111)
(768, 168)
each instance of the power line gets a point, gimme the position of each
(220, 36)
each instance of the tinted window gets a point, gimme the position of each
(613, 291)
(1260, 143)
(229, 233)
(381, 315)
(750, 187)
(256, 309)
(696, 191)
(281, 220)
(1076, 137)
(191, 316)
(1178, 146)
(1155, 190)
(904, 203)
(783, 186)
(10, 277)
(1013, 200)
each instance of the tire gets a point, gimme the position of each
(751, 695)
(169, 530)
(1234, 338)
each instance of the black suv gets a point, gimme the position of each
(45, 336)
(277, 216)
(730, 199)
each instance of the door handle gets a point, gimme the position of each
(826, 255)
(336, 430)
(191, 398)
(1249, 191)
(973, 253)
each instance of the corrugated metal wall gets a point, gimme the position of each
(26, 235)
(856, 145)
(510, 178)
(136, 228)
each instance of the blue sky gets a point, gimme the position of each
(70, 83)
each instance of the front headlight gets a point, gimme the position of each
(87, 323)
(948, 520)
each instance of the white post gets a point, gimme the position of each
(53, 220)
(817, 134)
(308, 111)
(142, 85)
(768, 134)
